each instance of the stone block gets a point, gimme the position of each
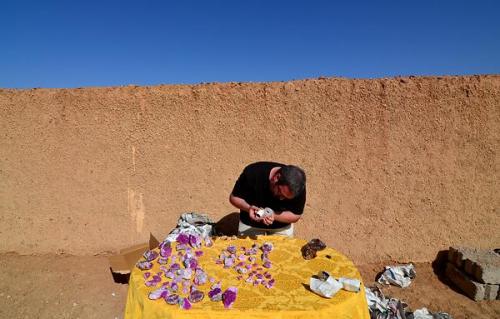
(487, 273)
(455, 257)
(472, 289)
(490, 292)
(481, 264)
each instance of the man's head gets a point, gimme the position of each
(288, 182)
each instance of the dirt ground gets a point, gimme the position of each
(59, 286)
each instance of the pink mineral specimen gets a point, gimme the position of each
(229, 296)
(150, 255)
(144, 265)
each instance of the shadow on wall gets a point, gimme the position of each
(228, 225)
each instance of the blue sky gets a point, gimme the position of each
(110, 43)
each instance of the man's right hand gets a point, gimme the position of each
(251, 211)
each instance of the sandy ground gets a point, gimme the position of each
(58, 286)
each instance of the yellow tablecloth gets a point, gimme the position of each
(290, 298)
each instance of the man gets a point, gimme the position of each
(269, 185)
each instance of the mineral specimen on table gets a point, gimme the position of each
(231, 249)
(350, 284)
(267, 247)
(195, 241)
(198, 253)
(200, 277)
(317, 244)
(146, 275)
(172, 299)
(186, 273)
(158, 293)
(191, 263)
(165, 249)
(208, 242)
(269, 284)
(215, 293)
(196, 296)
(184, 303)
(182, 239)
(175, 266)
(162, 260)
(144, 265)
(309, 250)
(174, 286)
(326, 288)
(229, 296)
(155, 280)
(150, 255)
(228, 262)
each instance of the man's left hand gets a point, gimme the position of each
(268, 220)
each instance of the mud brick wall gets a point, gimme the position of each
(397, 168)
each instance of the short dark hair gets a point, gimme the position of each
(293, 177)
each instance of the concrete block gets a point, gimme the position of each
(469, 266)
(481, 264)
(451, 255)
(490, 292)
(455, 257)
(472, 289)
(486, 273)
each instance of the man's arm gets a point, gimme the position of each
(242, 204)
(284, 217)
(239, 203)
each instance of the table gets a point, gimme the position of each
(289, 298)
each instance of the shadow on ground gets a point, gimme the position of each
(228, 225)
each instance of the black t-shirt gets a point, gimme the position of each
(253, 186)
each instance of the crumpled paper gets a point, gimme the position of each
(192, 224)
(398, 275)
(423, 313)
(391, 308)
(383, 308)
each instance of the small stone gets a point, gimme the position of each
(113, 294)
(75, 304)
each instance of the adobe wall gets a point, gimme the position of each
(397, 168)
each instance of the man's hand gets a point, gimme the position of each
(251, 211)
(268, 219)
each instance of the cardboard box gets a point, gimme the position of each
(123, 262)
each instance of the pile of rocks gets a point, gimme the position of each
(476, 272)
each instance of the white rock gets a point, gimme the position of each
(326, 288)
